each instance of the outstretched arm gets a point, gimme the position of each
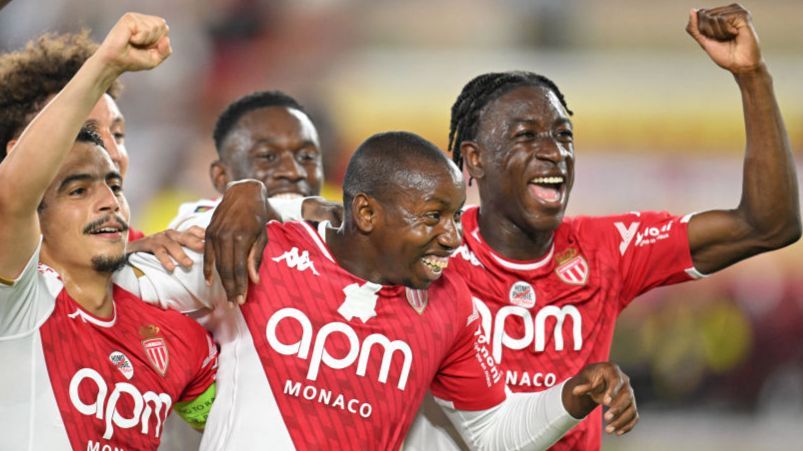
(531, 421)
(136, 42)
(768, 215)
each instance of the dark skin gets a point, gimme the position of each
(509, 151)
(276, 145)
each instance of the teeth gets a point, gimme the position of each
(438, 264)
(286, 196)
(107, 230)
(547, 180)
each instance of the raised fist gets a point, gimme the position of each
(726, 33)
(136, 42)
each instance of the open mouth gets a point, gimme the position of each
(547, 189)
(108, 229)
(435, 263)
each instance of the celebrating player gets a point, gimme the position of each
(550, 288)
(31, 77)
(89, 365)
(349, 326)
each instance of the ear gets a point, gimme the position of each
(471, 158)
(10, 144)
(365, 211)
(218, 173)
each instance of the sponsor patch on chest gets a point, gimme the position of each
(522, 294)
(122, 363)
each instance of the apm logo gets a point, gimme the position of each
(356, 350)
(106, 408)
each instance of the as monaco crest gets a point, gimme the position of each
(155, 348)
(417, 299)
(572, 267)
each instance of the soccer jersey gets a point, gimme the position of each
(71, 380)
(547, 319)
(342, 363)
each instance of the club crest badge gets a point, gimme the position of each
(522, 294)
(417, 299)
(121, 362)
(572, 267)
(155, 348)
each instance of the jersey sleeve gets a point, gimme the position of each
(468, 378)
(196, 400)
(653, 250)
(25, 302)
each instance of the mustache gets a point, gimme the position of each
(96, 224)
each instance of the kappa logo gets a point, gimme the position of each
(360, 301)
(155, 348)
(122, 363)
(522, 294)
(297, 261)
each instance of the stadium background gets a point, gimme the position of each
(717, 364)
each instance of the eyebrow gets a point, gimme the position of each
(87, 178)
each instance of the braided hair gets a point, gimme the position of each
(480, 91)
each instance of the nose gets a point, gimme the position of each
(289, 168)
(116, 152)
(451, 237)
(107, 201)
(551, 149)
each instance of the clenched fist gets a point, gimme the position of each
(727, 35)
(136, 42)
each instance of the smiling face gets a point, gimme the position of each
(277, 145)
(108, 121)
(84, 215)
(523, 158)
(418, 225)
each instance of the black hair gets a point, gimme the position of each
(88, 134)
(480, 91)
(254, 101)
(375, 167)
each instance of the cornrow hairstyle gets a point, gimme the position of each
(29, 77)
(478, 93)
(254, 101)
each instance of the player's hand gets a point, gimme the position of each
(136, 42)
(168, 246)
(318, 209)
(726, 33)
(603, 383)
(236, 237)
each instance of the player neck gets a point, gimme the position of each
(91, 289)
(510, 240)
(353, 252)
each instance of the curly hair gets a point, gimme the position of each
(29, 77)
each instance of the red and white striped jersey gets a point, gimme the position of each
(72, 380)
(343, 363)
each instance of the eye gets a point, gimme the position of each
(116, 188)
(458, 215)
(77, 192)
(270, 157)
(565, 135)
(118, 137)
(434, 216)
(525, 134)
(307, 156)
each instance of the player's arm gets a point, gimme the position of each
(136, 42)
(169, 246)
(768, 215)
(236, 236)
(530, 421)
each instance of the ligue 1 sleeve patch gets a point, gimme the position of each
(572, 267)
(418, 299)
(155, 348)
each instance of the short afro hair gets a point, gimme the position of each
(254, 101)
(30, 76)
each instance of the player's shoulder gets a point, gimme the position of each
(175, 319)
(190, 212)
(610, 223)
(452, 288)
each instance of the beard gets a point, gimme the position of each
(109, 263)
